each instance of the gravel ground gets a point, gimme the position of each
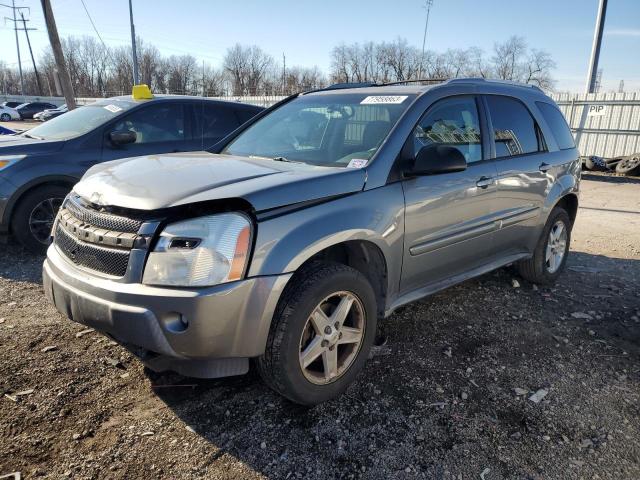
(450, 395)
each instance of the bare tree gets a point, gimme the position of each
(247, 67)
(508, 58)
(538, 69)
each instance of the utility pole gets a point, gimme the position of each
(54, 39)
(133, 45)
(621, 87)
(284, 74)
(15, 29)
(35, 69)
(428, 5)
(203, 78)
(595, 49)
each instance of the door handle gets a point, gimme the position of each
(544, 167)
(484, 182)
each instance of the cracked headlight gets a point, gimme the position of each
(200, 252)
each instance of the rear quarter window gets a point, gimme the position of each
(554, 118)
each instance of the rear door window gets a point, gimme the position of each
(217, 121)
(554, 118)
(515, 131)
(244, 115)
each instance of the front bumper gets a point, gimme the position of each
(207, 332)
(7, 190)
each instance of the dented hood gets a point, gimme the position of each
(161, 181)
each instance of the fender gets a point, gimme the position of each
(36, 182)
(567, 182)
(284, 243)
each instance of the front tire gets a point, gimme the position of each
(321, 333)
(33, 217)
(5, 117)
(550, 256)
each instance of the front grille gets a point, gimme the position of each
(98, 219)
(112, 261)
(93, 239)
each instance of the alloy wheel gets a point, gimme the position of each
(332, 337)
(42, 217)
(556, 246)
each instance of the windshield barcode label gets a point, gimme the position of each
(388, 99)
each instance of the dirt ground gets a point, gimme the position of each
(447, 397)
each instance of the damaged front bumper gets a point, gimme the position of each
(205, 332)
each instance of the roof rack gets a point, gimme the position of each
(345, 85)
(340, 86)
(494, 80)
(419, 80)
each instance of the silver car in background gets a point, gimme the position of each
(297, 233)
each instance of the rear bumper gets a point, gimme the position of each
(178, 329)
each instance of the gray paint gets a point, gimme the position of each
(433, 231)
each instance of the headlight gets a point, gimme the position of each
(8, 160)
(200, 252)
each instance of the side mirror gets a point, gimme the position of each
(435, 159)
(122, 137)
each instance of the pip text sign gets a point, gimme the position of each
(595, 110)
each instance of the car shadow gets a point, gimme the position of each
(405, 408)
(609, 178)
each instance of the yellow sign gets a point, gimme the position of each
(141, 92)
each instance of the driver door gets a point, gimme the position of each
(448, 217)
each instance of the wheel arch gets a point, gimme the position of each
(19, 196)
(362, 255)
(569, 203)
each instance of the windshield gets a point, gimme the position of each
(336, 130)
(77, 122)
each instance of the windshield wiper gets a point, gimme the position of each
(31, 136)
(284, 159)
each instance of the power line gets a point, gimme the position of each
(15, 29)
(94, 25)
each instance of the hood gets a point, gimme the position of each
(17, 144)
(162, 181)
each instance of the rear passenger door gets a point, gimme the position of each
(449, 217)
(523, 181)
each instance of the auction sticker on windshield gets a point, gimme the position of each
(112, 108)
(357, 163)
(384, 99)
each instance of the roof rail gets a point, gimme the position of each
(419, 80)
(494, 80)
(340, 86)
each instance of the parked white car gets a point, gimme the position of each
(7, 114)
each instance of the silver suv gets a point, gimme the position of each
(294, 235)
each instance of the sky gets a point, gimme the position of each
(306, 31)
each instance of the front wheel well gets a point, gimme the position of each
(365, 257)
(32, 188)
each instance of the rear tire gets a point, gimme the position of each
(33, 217)
(295, 339)
(546, 265)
